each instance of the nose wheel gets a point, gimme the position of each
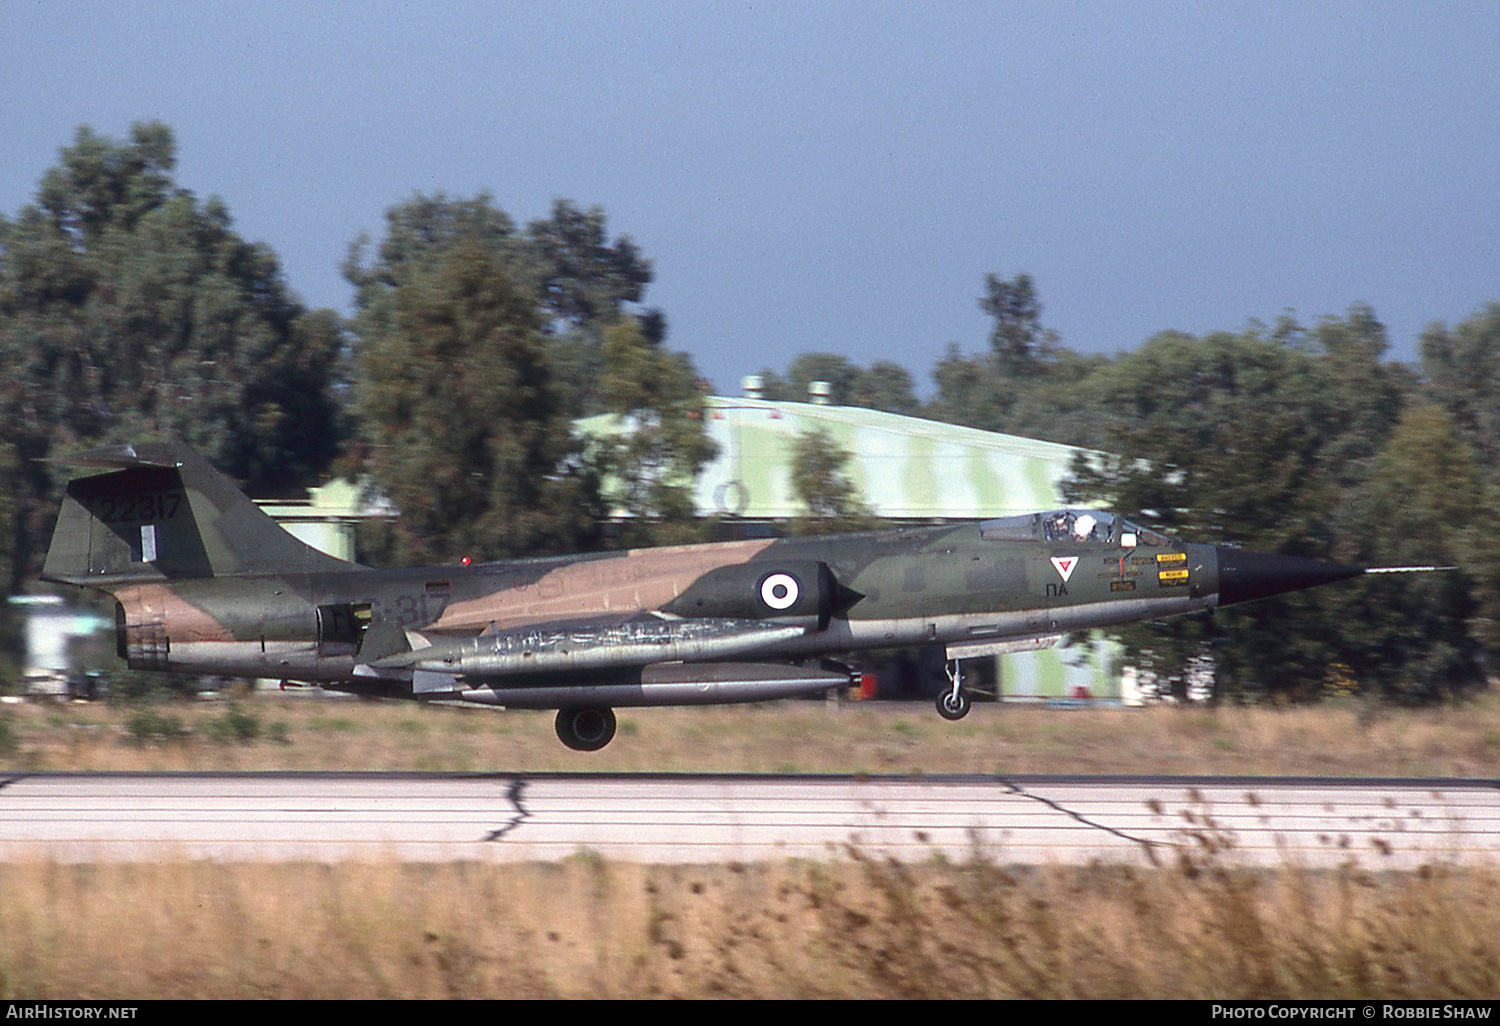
(954, 704)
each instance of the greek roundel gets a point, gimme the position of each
(779, 591)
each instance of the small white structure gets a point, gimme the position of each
(52, 626)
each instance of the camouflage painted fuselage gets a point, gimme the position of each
(914, 586)
(206, 583)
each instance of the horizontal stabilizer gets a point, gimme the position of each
(425, 683)
(116, 457)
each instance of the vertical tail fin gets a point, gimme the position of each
(165, 513)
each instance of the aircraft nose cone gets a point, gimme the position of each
(1245, 575)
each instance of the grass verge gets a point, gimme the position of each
(590, 928)
(282, 732)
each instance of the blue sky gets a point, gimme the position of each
(836, 176)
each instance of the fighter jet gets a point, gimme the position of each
(204, 582)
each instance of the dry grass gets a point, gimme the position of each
(303, 732)
(589, 928)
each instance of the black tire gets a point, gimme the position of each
(953, 707)
(586, 730)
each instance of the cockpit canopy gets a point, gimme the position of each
(1076, 525)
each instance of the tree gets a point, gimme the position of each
(886, 386)
(821, 482)
(459, 422)
(584, 284)
(882, 386)
(1414, 637)
(1019, 345)
(1028, 383)
(12, 627)
(839, 372)
(416, 232)
(1462, 369)
(656, 459)
(579, 280)
(1221, 439)
(1367, 394)
(1306, 444)
(129, 309)
(585, 281)
(964, 391)
(597, 352)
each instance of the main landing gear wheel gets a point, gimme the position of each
(586, 730)
(954, 704)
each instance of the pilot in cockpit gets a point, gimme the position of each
(1059, 525)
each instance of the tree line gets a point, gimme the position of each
(1291, 438)
(130, 308)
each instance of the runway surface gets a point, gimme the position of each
(1314, 822)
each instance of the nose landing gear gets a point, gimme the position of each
(955, 703)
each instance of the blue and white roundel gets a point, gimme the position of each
(780, 591)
